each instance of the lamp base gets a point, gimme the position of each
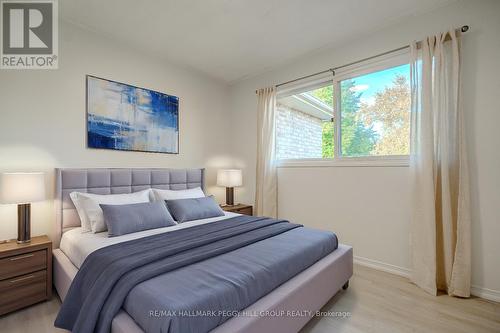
(229, 196)
(23, 223)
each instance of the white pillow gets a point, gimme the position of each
(77, 201)
(191, 193)
(89, 203)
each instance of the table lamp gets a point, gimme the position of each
(229, 178)
(22, 189)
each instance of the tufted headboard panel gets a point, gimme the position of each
(113, 181)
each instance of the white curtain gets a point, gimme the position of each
(440, 219)
(266, 194)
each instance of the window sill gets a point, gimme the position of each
(385, 161)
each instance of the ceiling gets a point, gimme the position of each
(234, 39)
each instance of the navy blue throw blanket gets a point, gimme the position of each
(108, 274)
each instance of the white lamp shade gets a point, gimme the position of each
(229, 178)
(21, 188)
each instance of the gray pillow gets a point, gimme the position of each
(125, 219)
(184, 210)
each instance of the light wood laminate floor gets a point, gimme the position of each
(376, 301)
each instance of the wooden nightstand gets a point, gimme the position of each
(239, 208)
(25, 273)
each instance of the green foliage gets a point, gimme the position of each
(357, 138)
(392, 111)
(327, 144)
(325, 94)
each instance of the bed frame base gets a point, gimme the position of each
(308, 291)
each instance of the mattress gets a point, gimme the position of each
(77, 245)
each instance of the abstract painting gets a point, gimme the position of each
(124, 117)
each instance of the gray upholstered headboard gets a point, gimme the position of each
(111, 181)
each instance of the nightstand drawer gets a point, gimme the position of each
(23, 264)
(19, 291)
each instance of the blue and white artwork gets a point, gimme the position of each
(124, 117)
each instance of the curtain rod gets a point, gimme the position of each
(464, 28)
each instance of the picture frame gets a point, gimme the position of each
(120, 116)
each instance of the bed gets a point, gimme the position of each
(308, 290)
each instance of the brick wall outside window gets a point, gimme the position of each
(298, 135)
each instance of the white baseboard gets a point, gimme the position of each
(489, 294)
(382, 266)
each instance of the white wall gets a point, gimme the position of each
(368, 207)
(42, 116)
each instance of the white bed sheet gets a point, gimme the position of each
(77, 245)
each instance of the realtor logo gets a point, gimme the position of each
(29, 34)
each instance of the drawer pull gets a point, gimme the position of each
(22, 257)
(22, 279)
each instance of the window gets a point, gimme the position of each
(375, 113)
(362, 112)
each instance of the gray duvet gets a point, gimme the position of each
(193, 279)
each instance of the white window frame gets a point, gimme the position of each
(374, 65)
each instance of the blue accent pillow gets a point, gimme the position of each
(125, 219)
(184, 210)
